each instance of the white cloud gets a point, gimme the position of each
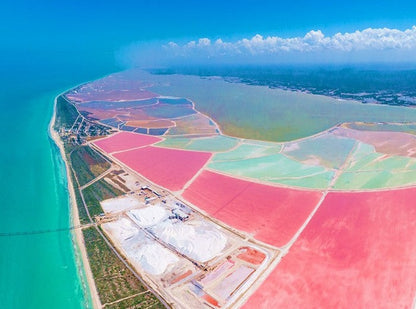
(368, 45)
(365, 40)
(204, 42)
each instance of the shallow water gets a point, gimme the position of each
(37, 271)
(258, 112)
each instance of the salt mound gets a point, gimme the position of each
(119, 204)
(154, 258)
(198, 240)
(122, 229)
(149, 216)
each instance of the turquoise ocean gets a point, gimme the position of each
(41, 270)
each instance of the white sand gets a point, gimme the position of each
(114, 205)
(149, 216)
(79, 238)
(147, 254)
(197, 240)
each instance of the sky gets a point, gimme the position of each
(105, 31)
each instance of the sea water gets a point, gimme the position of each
(40, 270)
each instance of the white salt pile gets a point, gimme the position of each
(149, 255)
(154, 258)
(118, 204)
(122, 229)
(149, 216)
(197, 240)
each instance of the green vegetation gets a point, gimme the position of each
(386, 85)
(146, 300)
(406, 128)
(88, 164)
(82, 213)
(83, 171)
(66, 114)
(114, 281)
(98, 191)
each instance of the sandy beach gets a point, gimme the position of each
(79, 239)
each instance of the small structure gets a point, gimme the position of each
(147, 200)
(183, 208)
(144, 188)
(179, 214)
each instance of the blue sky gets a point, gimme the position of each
(95, 29)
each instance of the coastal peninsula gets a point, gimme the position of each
(180, 208)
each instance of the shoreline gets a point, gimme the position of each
(74, 217)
